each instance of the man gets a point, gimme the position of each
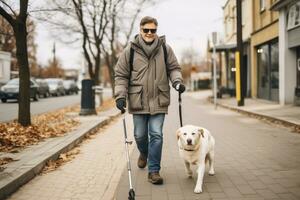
(142, 76)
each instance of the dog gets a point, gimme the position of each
(196, 146)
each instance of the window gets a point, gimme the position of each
(262, 4)
(268, 71)
(233, 17)
(294, 16)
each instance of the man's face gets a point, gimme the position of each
(148, 32)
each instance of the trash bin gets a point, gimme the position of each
(87, 98)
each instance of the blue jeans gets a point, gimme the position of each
(149, 138)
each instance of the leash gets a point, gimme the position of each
(180, 111)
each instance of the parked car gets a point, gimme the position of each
(56, 86)
(11, 90)
(43, 88)
(70, 87)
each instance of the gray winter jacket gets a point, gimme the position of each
(147, 86)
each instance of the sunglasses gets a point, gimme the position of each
(146, 30)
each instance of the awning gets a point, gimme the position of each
(279, 4)
(224, 47)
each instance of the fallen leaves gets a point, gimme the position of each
(52, 165)
(4, 161)
(14, 136)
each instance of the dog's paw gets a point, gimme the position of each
(211, 172)
(197, 190)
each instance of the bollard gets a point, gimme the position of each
(87, 98)
(98, 92)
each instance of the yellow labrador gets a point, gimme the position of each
(196, 146)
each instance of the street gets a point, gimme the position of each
(9, 110)
(253, 160)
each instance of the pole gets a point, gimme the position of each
(239, 56)
(215, 68)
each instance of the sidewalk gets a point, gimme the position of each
(288, 115)
(254, 160)
(32, 159)
(247, 164)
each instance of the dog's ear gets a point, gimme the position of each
(178, 132)
(201, 132)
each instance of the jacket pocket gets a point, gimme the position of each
(135, 94)
(163, 95)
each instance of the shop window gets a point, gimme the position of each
(268, 71)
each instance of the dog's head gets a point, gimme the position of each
(189, 136)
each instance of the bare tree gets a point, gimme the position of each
(18, 24)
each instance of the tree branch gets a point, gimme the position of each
(7, 16)
(8, 7)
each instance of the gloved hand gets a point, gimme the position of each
(179, 87)
(121, 104)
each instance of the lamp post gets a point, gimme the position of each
(239, 74)
(214, 40)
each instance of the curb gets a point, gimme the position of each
(295, 127)
(15, 177)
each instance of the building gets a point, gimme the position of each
(264, 51)
(289, 50)
(228, 47)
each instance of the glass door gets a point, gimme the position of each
(274, 72)
(268, 71)
(263, 72)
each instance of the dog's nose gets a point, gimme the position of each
(189, 141)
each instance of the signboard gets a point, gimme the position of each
(294, 16)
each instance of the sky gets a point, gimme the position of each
(185, 23)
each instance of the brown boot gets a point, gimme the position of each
(155, 178)
(142, 161)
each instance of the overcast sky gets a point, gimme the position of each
(186, 23)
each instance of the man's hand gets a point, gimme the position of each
(121, 104)
(179, 87)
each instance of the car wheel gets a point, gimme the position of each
(4, 100)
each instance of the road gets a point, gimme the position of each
(9, 110)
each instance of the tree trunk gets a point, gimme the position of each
(20, 31)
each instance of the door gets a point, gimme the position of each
(274, 72)
(263, 72)
(268, 71)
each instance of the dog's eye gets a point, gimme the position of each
(184, 134)
(193, 133)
